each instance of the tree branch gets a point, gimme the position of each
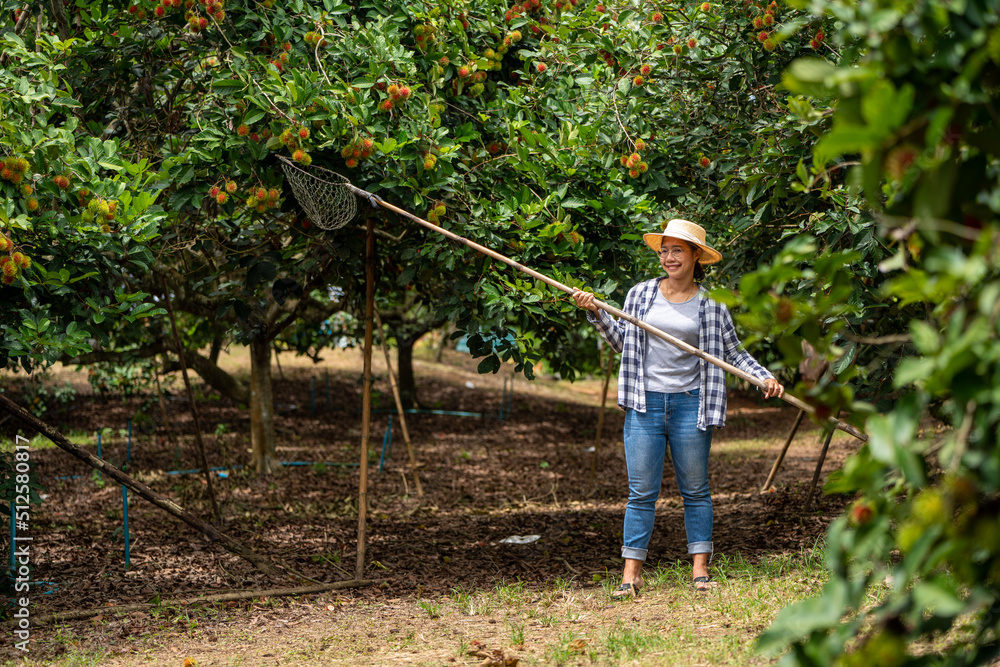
(891, 339)
(209, 371)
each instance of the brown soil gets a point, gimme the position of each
(484, 479)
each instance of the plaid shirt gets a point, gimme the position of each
(717, 337)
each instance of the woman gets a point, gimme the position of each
(671, 396)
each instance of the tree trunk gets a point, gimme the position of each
(407, 383)
(262, 442)
(443, 343)
(213, 355)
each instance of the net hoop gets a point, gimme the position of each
(322, 194)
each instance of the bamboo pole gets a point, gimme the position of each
(366, 397)
(600, 417)
(788, 398)
(399, 407)
(784, 449)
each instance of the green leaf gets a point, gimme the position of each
(846, 139)
(253, 116)
(490, 364)
(913, 369)
(799, 620)
(262, 271)
(936, 597)
(228, 86)
(925, 337)
(810, 76)
(112, 163)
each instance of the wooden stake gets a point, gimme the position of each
(399, 407)
(600, 417)
(819, 468)
(194, 407)
(784, 448)
(366, 396)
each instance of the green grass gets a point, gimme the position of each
(576, 623)
(78, 438)
(516, 634)
(433, 609)
(510, 593)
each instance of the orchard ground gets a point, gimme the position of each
(447, 590)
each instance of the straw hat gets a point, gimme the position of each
(685, 231)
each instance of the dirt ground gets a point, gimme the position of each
(485, 478)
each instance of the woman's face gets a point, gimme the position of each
(678, 257)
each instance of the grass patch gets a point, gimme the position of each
(78, 438)
(569, 623)
(511, 593)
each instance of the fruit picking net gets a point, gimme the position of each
(324, 195)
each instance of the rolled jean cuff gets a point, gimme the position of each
(700, 548)
(634, 554)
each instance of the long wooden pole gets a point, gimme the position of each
(788, 398)
(399, 407)
(366, 397)
(781, 454)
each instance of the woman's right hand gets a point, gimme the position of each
(585, 300)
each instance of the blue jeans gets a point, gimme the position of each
(673, 419)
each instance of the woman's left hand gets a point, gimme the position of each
(773, 388)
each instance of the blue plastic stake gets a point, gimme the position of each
(99, 450)
(125, 515)
(128, 451)
(312, 397)
(386, 444)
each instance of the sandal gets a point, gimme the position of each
(626, 591)
(704, 584)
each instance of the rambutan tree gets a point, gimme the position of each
(915, 561)
(556, 133)
(76, 215)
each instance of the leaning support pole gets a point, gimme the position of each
(819, 469)
(366, 398)
(399, 408)
(788, 398)
(164, 503)
(600, 417)
(784, 450)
